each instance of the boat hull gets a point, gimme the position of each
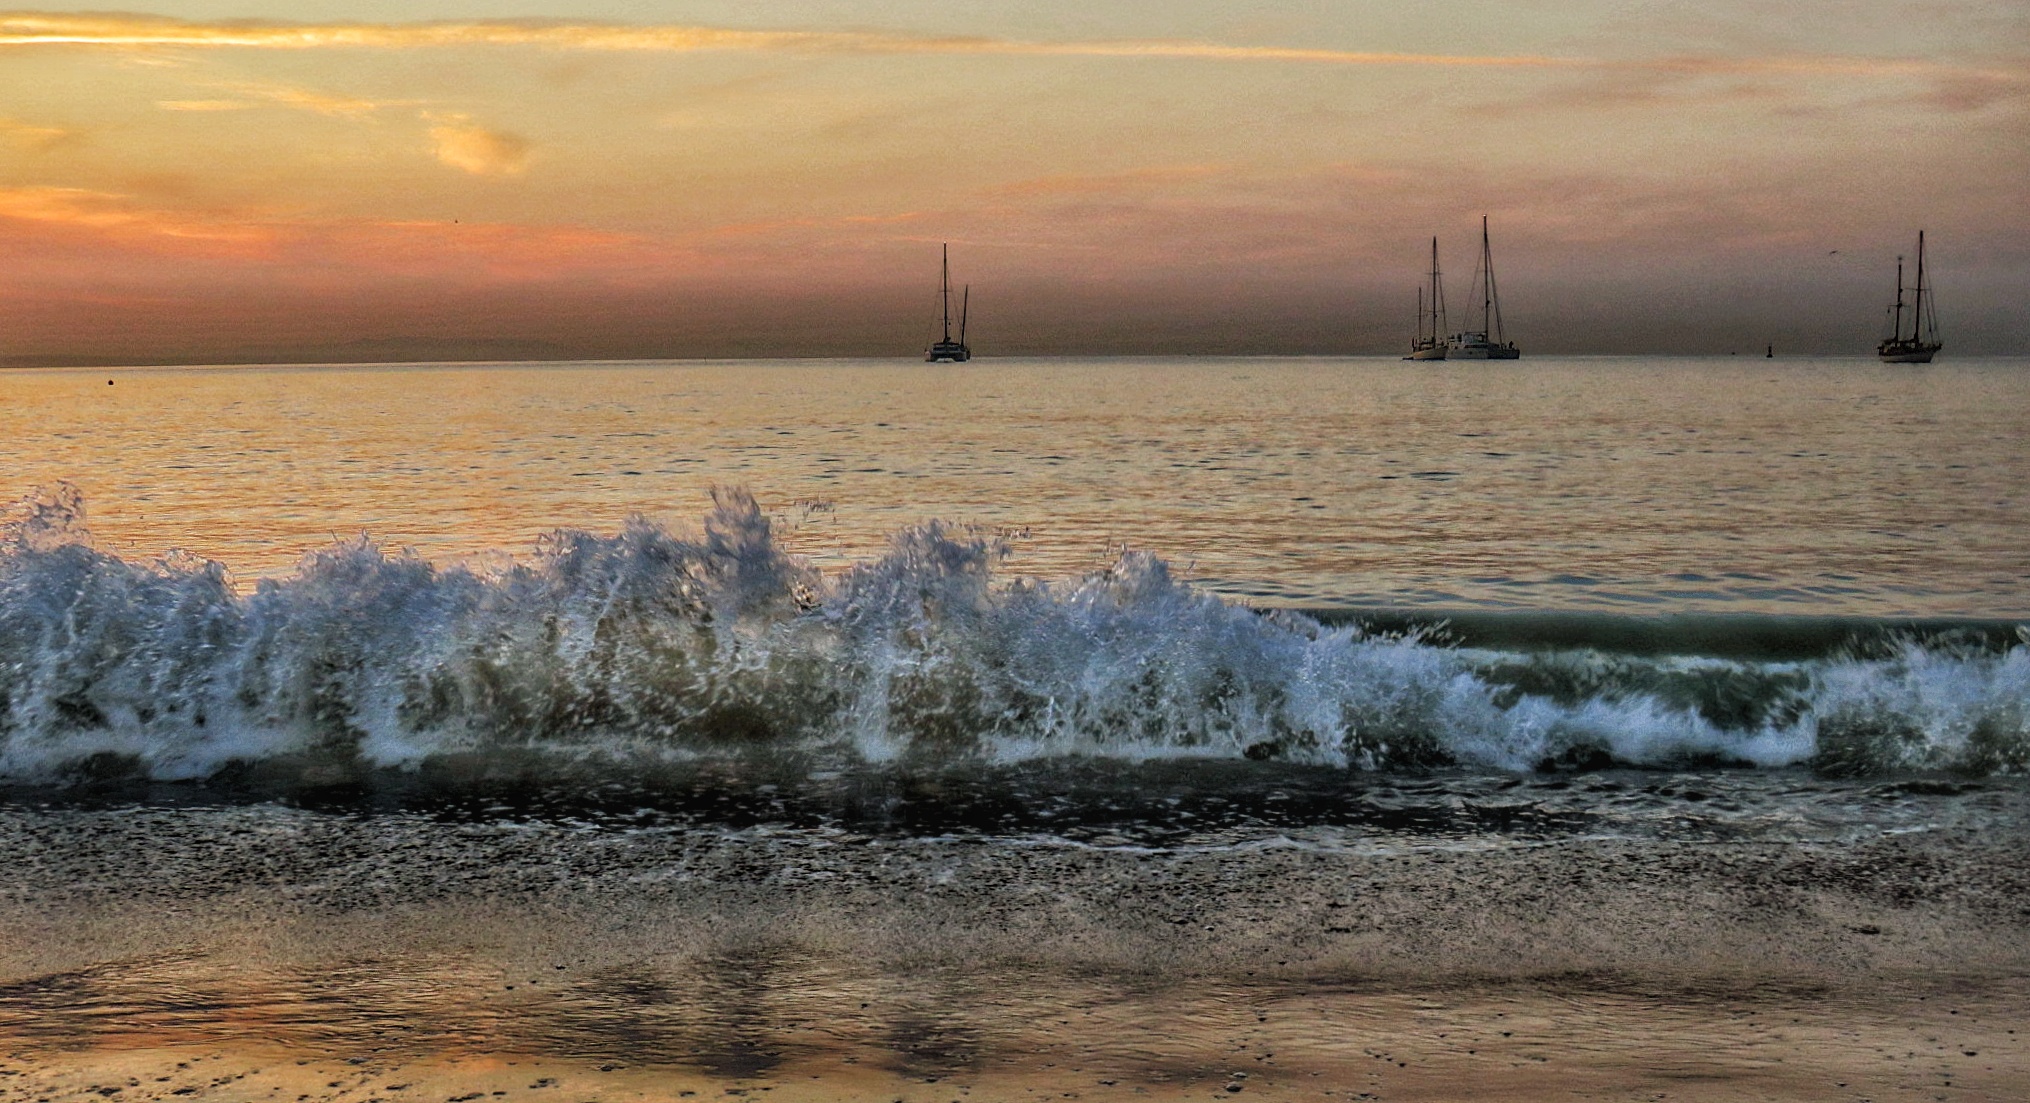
(1904, 352)
(1436, 353)
(1481, 349)
(947, 352)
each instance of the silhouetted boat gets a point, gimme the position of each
(945, 350)
(1430, 346)
(1923, 343)
(1489, 342)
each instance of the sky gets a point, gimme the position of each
(200, 182)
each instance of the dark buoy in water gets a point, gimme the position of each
(109, 382)
(1771, 354)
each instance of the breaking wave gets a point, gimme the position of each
(652, 644)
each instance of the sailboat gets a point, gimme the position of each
(945, 350)
(1488, 342)
(1430, 346)
(1923, 343)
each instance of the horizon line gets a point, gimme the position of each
(914, 358)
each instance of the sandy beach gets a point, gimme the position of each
(162, 954)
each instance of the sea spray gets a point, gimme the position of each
(658, 644)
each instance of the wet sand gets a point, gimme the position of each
(1543, 1039)
(272, 953)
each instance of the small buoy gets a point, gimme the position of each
(109, 382)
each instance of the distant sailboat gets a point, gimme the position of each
(1489, 342)
(1430, 346)
(1923, 343)
(945, 350)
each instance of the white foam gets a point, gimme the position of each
(652, 642)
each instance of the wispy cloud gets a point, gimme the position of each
(203, 105)
(321, 103)
(117, 215)
(478, 150)
(1975, 92)
(245, 95)
(124, 229)
(1145, 179)
(39, 28)
(39, 139)
(30, 29)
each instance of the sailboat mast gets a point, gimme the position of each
(965, 300)
(1439, 322)
(1435, 308)
(944, 292)
(1493, 290)
(1917, 309)
(1486, 281)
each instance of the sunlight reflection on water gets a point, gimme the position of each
(1611, 483)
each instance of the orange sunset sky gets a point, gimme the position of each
(297, 180)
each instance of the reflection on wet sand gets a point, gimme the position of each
(793, 1026)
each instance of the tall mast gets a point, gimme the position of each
(1486, 281)
(1492, 302)
(1917, 309)
(944, 292)
(1437, 297)
(965, 300)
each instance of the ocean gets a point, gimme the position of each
(1126, 728)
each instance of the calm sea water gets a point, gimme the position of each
(1638, 484)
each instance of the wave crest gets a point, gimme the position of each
(652, 642)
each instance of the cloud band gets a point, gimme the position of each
(52, 29)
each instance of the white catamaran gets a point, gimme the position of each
(1429, 345)
(945, 350)
(1923, 343)
(1489, 342)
